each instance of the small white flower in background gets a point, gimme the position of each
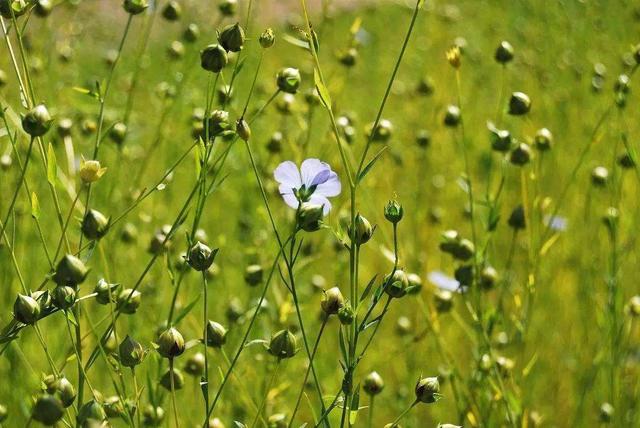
(313, 183)
(445, 282)
(556, 223)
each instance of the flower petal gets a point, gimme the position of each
(331, 187)
(310, 169)
(443, 281)
(317, 199)
(290, 199)
(287, 174)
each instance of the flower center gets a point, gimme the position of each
(304, 193)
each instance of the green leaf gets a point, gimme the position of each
(367, 289)
(35, 206)
(354, 407)
(372, 162)
(295, 41)
(322, 90)
(52, 166)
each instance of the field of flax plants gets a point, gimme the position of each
(315, 213)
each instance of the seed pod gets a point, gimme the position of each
(175, 51)
(195, 365)
(393, 211)
(228, 7)
(37, 121)
(454, 56)
(217, 123)
(610, 219)
(47, 410)
(606, 412)
(26, 309)
(114, 408)
(170, 343)
(135, 7)
(11, 8)
(172, 11)
(464, 275)
(94, 225)
(425, 86)
(283, 344)
(346, 314)
(464, 250)
(91, 171)
(543, 139)
(43, 8)
(128, 301)
(201, 257)
(65, 392)
(517, 218)
(64, 127)
(443, 300)
(373, 384)
(105, 292)
(600, 176)
(216, 334)
(626, 161)
(64, 297)
(288, 80)
(253, 275)
(178, 379)
(213, 58)
(309, 217)
(3, 413)
(505, 365)
(349, 57)
(153, 416)
(415, 283)
(396, 285)
(131, 352)
(332, 301)
(488, 277)
(501, 140)
(382, 133)
(452, 116)
(504, 52)
(363, 231)
(232, 38)
(267, 38)
(118, 133)
(520, 155)
(423, 138)
(519, 104)
(243, 130)
(191, 33)
(278, 420)
(91, 411)
(427, 390)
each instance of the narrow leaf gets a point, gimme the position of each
(35, 206)
(322, 90)
(52, 167)
(372, 162)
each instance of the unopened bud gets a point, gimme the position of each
(427, 390)
(170, 343)
(283, 344)
(332, 301)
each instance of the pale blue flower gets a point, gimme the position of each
(444, 282)
(313, 183)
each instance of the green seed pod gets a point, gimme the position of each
(464, 250)
(505, 365)
(504, 52)
(135, 7)
(159, 243)
(404, 326)
(626, 161)
(443, 300)
(452, 116)
(191, 33)
(363, 232)
(11, 8)
(283, 344)
(105, 292)
(543, 139)
(349, 57)
(178, 379)
(606, 412)
(519, 104)
(216, 334)
(517, 218)
(610, 219)
(37, 121)
(129, 233)
(175, 49)
(234, 311)
(520, 155)
(423, 138)
(217, 123)
(201, 257)
(393, 211)
(488, 277)
(449, 241)
(3, 413)
(267, 38)
(243, 130)
(427, 390)
(253, 275)
(91, 411)
(275, 143)
(501, 140)
(633, 307)
(170, 343)
(309, 217)
(232, 38)
(43, 8)
(131, 352)
(113, 407)
(332, 301)
(382, 132)
(48, 410)
(415, 283)
(195, 365)
(65, 392)
(3, 78)
(88, 126)
(622, 84)
(464, 275)
(94, 225)
(288, 80)
(228, 7)
(213, 58)
(118, 133)
(153, 416)
(599, 176)
(172, 11)
(396, 285)
(128, 301)
(91, 171)
(64, 297)
(373, 384)
(26, 309)
(346, 315)
(425, 86)
(64, 127)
